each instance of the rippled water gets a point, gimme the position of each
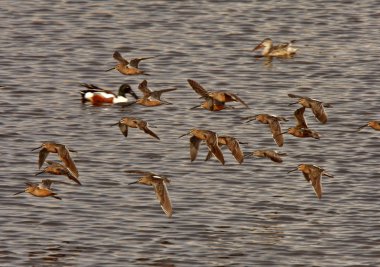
(254, 214)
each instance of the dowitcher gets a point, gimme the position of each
(212, 105)
(313, 174)
(126, 122)
(273, 155)
(159, 184)
(219, 96)
(97, 95)
(63, 153)
(301, 130)
(233, 145)
(143, 86)
(58, 169)
(274, 125)
(128, 68)
(373, 124)
(316, 106)
(211, 139)
(281, 50)
(40, 190)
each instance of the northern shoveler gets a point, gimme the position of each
(63, 153)
(281, 50)
(128, 68)
(99, 96)
(159, 184)
(126, 122)
(211, 139)
(316, 106)
(313, 174)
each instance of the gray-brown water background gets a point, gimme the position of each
(254, 214)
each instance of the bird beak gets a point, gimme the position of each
(111, 69)
(293, 103)
(361, 127)
(281, 134)
(133, 94)
(133, 182)
(115, 124)
(296, 169)
(184, 135)
(37, 148)
(19, 192)
(196, 107)
(38, 173)
(258, 46)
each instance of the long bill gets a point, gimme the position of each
(296, 169)
(363, 126)
(184, 134)
(258, 46)
(280, 134)
(37, 148)
(197, 106)
(115, 123)
(135, 182)
(38, 173)
(291, 104)
(19, 192)
(111, 69)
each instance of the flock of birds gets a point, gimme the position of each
(213, 101)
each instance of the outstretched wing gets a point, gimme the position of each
(194, 147)
(275, 128)
(65, 157)
(162, 195)
(143, 125)
(143, 87)
(298, 114)
(234, 146)
(118, 57)
(135, 61)
(42, 156)
(198, 88)
(319, 111)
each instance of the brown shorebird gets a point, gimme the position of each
(143, 86)
(313, 174)
(273, 155)
(126, 122)
(274, 125)
(220, 97)
(98, 96)
(373, 124)
(159, 183)
(316, 106)
(41, 190)
(63, 153)
(58, 169)
(211, 139)
(301, 130)
(233, 145)
(128, 68)
(281, 50)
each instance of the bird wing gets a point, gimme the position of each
(301, 122)
(319, 111)
(275, 128)
(65, 157)
(157, 94)
(42, 156)
(234, 146)
(123, 129)
(143, 87)
(316, 182)
(46, 183)
(237, 98)
(135, 61)
(118, 57)
(273, 156)
(162, 195)
(198, 88)
(194, 147)
(143, 125)
(212, 143)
